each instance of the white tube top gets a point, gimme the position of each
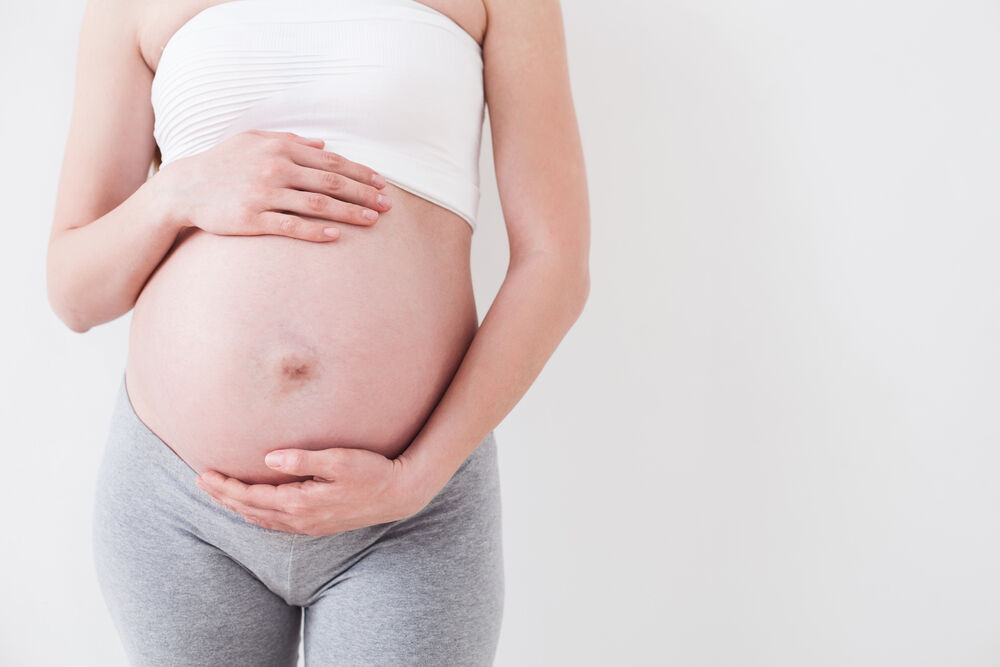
(393, 84)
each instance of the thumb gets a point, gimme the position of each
(300, 462)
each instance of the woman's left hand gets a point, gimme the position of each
(351, 488)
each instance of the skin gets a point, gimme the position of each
(542, 184)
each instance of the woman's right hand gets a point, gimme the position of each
(261, 182)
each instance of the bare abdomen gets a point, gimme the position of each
(244, 344)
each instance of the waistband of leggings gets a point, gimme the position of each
(146, 439)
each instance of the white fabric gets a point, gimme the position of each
(393, 84)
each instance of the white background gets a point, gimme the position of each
(772, 437)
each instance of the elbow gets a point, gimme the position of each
(585, 287)
(60, 303)
(571, 276)
(582, 289)
(66, 315)
(76, 326)
(567, 273)
(575, 268)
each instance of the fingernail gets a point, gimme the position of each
(274, 460)
(370, 214)
(382, 200)
(331, 231)
(377, 180)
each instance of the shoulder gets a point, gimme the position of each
(523, 20)
(524, 38)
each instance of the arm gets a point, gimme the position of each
(111, 226)
(543, 193)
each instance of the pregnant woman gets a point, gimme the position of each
(303, 433)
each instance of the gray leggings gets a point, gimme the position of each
(189, 582)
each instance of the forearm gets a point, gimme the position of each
(540, 299)
(96, 271)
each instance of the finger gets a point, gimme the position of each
(322, 206)
(281, 497)
(331, 161)
(298, 138)
(263, 516)
(339, 186)
(322, 463)
(287, 224)
(266, 518)
(270, 525)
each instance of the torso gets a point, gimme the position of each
(244, 344)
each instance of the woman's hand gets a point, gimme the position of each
(257, 181)
(351, 488)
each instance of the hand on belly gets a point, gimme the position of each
(350, 488)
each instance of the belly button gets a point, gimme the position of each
(295, 367)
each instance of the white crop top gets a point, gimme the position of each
(392, 84)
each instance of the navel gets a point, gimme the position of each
(295, 366)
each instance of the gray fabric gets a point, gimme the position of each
(188, 582)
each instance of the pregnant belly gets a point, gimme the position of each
(244, 344)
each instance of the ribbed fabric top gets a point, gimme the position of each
(392, 84)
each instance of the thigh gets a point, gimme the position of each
(177, 601)
(174, 598)
(429, 592)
